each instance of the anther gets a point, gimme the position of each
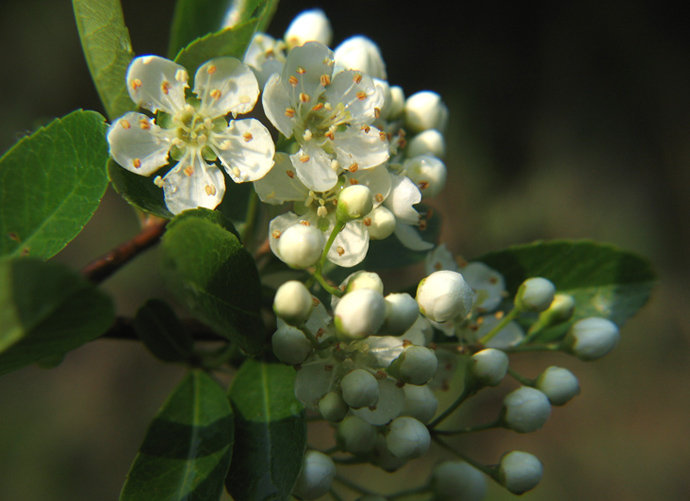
(247, 136)
(211, 69)
(366, 129)
(378, 197)
(181, 75)
(423, 185)
(377, 112)
(275, 233)
(136, 163)
(289, 112)
(210, 190)
(340, 250)
(353, 181)
(499, 315)
(305, 223)
(325, 80)
(382, 136)
(290, 174)
(353, 168)
(304, 158)
(292, 80)
(144, 124)
(317, 107)
(188, 171)
(300, 70)
(136, 83)
(361, 95)
(304, 98)
(166, 86)
(125, 124)
(158, 181)
(215, 94)
(366, 221)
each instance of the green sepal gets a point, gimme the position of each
(51, 183)
(46, 310)
(604, 280)
(157, 325)
(188, 446)
(270, 432)
(214, 275)
(108, 51)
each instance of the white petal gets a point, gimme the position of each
(389, 406)
(366, 147)
(487, 283)
(441, 259)
(156, 83)
(377, 179)
(401, 199)
(314, 380)
(360, 53)
(138, 144)
(278, 106)
(350, 246)
(281, 184)
(225, 85)
(306, 69)
(313, 166)
(192, 183)
(358, 93)
(245, 149)
(410, 238)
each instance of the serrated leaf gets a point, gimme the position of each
(139, 191)
(188, 446)
(230, 42)
(604, 280)
(270, 432)
(108, 51)
(162, 332)
(51, 183)
(215, 276)
(46, 310)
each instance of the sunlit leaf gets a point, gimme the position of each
(270, 432)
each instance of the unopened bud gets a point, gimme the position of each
(360, 313)
(458, 480)
(355, 435)
(316, 477)
(558, 384)
(402, 311)
(360, 389)
(425, 110)
(300, 246)
(309, 26)
(354, 202)
(519, 472)
(591, 338)
(381, 223)
(415, 365)
(489, 366)
(364, 280)
(290, 345)
(293, 302)
(332, 407)
(444, 295)
(429, 142)
(420, 402)
(535, 294)
(525, 410)
(560, 310)
(428, 173)
(361, 54)
(407, 438)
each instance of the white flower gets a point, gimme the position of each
(360, 53)
(310, 25)
(444, 295)
(428, 173)
(329, 115)
(265, 56)
(425, 110)
(194, 133)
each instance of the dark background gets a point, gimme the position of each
(568, 120)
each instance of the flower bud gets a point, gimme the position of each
(428, 173)
(364, 280)
(444, 295)
(558, 384)
(300, 246)
(402, 312)
(416, 365)
(394, 104)
(420, 402)
(332, 407)
(380, 224)
(525, 410)
(425, 110)
(591, 338)
(535, 294)
(316, 476)
(519, 472)
(407, 438)
(293, 302)
(360, 313)
(429, 142)
(361, 54)
(560, 310)
(489, 366)
(290, 345)
(383, 458)
(354, 202)
(458, 480)
(360, 389)
(355, 435)
(310, 25)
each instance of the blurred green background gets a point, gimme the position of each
(568, 120)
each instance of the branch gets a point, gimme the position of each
(100, 269)
(123, 328)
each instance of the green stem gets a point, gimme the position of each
(353, 486)
(410, 492)
(479, 466)
(469, 390)
(533, 347)
(335, 496)
(521, 379)
(252, 210)
(318, 273)
(470, 429)
(512, 314)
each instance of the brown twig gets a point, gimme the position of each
(100, 269)
(123, 328)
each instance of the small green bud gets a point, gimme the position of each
(525, 410)
(415, 365)
(407, 438)
(558, 384)
(290, 345)
(519, 472)
(429, 142)
(360, 389)
(489, 366)
(420, 402)
(425, 110)
(380, 224)
(591, 338)
(428, 173)
(293, 303)
(355, 435)
(360, 314)
(316, 477)
(364, 280)
(332, 407)
(560, 310)
(444, 295)
(402, 311)
(300, 246)
(458, 480)
(354, 202)
(535, 294)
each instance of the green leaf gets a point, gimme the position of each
(215, 276)
(162, 332)
(51, 183)
(270, 432)
(228, 42)
(604, 280)
(194, 19)
(188, 446)
(46, 310)
(138, 190)
(108, 51)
